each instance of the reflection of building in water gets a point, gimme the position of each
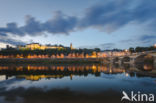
(35, 72)
(38, 77)
(147, 67)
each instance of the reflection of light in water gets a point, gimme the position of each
(126, 74)
(38, 77)
(3, 67)
(71, 77)
(28, 67)
(20, 68)
(93, 67)
(124, 71)
(2, 77)
(110, 70)
(147, 67)
(59, 70)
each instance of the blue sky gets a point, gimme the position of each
(106, 24)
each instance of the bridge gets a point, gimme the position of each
(133, 57)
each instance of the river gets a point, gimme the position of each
(74, 83)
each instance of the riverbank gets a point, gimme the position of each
(51, 60)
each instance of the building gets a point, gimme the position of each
(71, 46)
(113, 53)
(33, 46)
(154, 45)
(37, 46)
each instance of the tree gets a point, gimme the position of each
(97, 49)
(132, 50)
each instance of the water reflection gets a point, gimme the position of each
(37, 72)
(145, 67)
(39, 95)
(84, 83)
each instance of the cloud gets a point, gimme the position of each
(112, 15)
(59, 24)
(105, 46)
(144, 40)
(148, 38)
(127, 41)
(32, 26)
(130, 42)
(10, 28)
(107, 16)
(14, 42)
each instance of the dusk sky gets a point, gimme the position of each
(105, 24)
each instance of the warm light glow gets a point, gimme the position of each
(35, 46)
(126, 50)
(71, 68)
(154, 45)
(126, 74)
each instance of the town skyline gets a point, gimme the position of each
(57, 46)
(86, 24)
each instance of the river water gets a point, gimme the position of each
(74, 83)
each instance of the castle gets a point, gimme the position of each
(37, 46)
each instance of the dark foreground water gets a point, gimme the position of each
(76, 83)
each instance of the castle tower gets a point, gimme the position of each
(71, 46)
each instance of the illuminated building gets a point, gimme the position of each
(71, 46)
(126, 50)
(113, 53)
(35, 46)
(154, 45)
(44, 54)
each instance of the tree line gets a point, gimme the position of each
(141, 49)
(66, 51)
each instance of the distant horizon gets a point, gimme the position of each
(76, 48)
